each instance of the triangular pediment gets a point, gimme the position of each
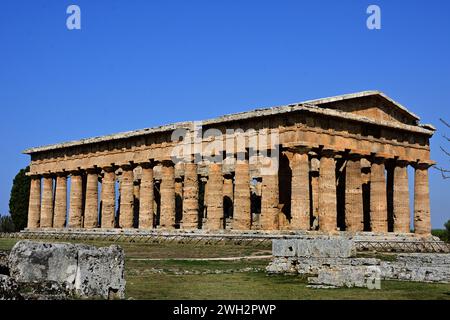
(371, 104)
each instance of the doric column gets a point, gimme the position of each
(354, 214)
(47, 202)
(327, 192)
(167, 190)
(242, 203)
(91, 200)
(147, 197)
(59, 219)
(126, 198)
(190, 197)
(378, 196)
(269, 201)
(76, 200)
(34, 205)
(401, 198)
(215, 197)
(108, 198)
(422, 219)
(300, 204)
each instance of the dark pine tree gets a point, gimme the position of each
(18, 201)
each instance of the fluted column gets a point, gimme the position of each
(242, 203)
(190, 197)
(76, 200)
(108, 198)
(215, 197)
(327, 192)
(47, 202)
(91, 200)
(34, 205)
(401, 198)
(59, 219)
(378, 196)
(147, 198)
(422, 219)
(269, 201)
(300, 204)
(167, 190)
(354, 214)
(126, 198)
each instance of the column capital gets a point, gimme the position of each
(75, 172)
(401, 163)
(328, 153)
(148, 164)
(110, 168)
(423, 165)
(167, 163)
(92, 170)
(63, 173)
(128, 166)
(48, 174)
(300, 149)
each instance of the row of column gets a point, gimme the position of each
(324, 192)
(313, 203)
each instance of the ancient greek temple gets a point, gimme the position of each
(331, 165)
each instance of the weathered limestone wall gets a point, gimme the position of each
(334, 262)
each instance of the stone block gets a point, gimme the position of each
(36, 261)
(101, 272)
(284, 247)
(86, 270)
(326, 248)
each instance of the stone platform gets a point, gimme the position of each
(364, 241)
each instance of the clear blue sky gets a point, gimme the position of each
(138, 64)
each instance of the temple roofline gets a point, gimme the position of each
(309, 106)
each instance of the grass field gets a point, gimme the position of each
(175, 276)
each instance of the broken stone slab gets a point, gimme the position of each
(88, 271)
(101, 272)
(347, 276)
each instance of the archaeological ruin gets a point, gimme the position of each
(328, 165)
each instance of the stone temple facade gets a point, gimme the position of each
(332, 164)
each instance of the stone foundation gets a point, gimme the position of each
(334, 262)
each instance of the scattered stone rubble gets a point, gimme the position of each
(43, 271)
(333, 262)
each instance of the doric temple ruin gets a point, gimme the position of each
(333, 164)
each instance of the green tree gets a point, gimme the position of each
(18, 202)
(6, 224)
(447, 229)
